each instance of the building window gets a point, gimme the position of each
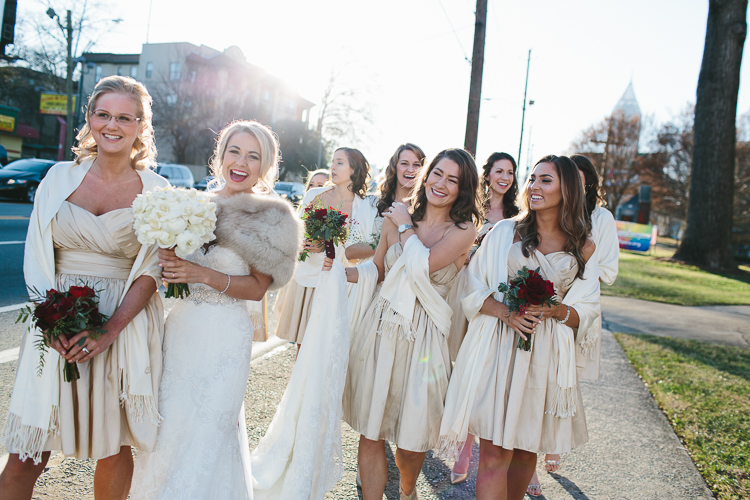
(98, 73)
(266, 95)
(304, 115)
(192, 76)
(174, 71)
(149, 70)
(133, 71)
(119, 71)
(172, 99)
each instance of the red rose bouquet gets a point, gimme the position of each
(527, 288)
(324, 224)
(65, 313)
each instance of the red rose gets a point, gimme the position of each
(81, 291)
(536, 290)
(321, 213)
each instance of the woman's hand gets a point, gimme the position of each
(80, 352)
(60, 344)
(177, 270)
(314, 247)
(521, 323)
(327, 264)
(398, 214)
(544, 312)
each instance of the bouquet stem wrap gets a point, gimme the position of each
(330, 249)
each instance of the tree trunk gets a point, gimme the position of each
(708, 238)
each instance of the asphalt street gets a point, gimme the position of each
(14, 221)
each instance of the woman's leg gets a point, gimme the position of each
(18, 478)
(462, 464)
(113, 475)
(409, 465)
(492, 476)
(373, 468)
(521, 469)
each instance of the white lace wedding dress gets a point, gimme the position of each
(201, 450)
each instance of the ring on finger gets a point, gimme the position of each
(86, 350)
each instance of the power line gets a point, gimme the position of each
(454, 31)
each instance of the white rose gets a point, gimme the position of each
(175, 226)
(187, 242)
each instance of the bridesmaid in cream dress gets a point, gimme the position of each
(399, 364)
(81, 231)
(520, 403)
(350, 175)
(499, 185)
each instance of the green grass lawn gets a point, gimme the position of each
(648, 278)
(704, 390)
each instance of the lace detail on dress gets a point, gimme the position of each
(200, 294)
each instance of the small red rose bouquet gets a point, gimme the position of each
(65, 313)
(324, 224)
(527, 288)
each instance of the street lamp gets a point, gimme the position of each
(68, 32)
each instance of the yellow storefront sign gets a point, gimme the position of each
(55, 104)
(7, 124)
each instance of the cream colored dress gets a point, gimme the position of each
(459, 323)
(395, 389)
(99, 251)
(516, 386)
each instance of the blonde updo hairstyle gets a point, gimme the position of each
(143, 153)
(269, 150)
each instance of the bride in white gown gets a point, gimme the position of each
(201, 450)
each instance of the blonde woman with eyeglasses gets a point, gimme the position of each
(81, 233)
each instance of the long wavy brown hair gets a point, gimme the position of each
(592, 187)
(468, 205)
(388, 185)
(360, 171)
(510, 209)
(572, 218)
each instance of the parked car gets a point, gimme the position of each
(177, 175)
(19, 179)
(292, 191)
(204, 183)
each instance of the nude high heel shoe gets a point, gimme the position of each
(404, 496)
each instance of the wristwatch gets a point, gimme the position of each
(404, 227)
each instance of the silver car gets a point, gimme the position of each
(177, 175)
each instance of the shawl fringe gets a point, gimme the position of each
(563, 403)
(450, 446)
(392, 323)
(29, 441)
(264, 231)
(138, 406)
(588, 344)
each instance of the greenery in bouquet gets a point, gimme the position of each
(66, 314)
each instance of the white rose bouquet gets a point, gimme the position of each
(183, 219)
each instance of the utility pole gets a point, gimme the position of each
(523, 115)
(475, 87)
(69, 125)
(69, 91)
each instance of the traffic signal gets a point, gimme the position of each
(9, 24)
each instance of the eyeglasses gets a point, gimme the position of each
(104, 117)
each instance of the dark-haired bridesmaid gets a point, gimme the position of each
(499, 186)
(521, 403)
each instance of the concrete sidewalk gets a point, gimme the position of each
(728, 325)
(632, 452)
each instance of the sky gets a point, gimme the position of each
(408, 60)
